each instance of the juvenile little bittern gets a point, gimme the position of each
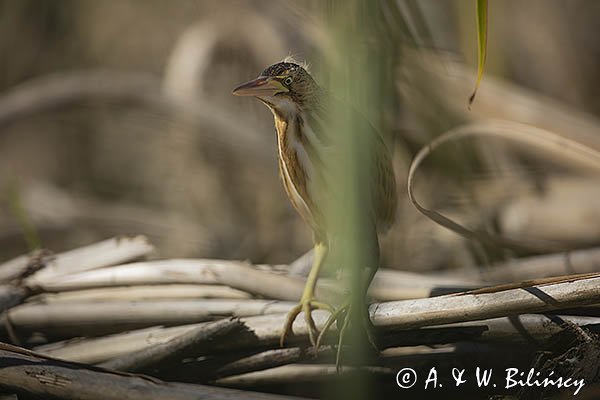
(300, 109)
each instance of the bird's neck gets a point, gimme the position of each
(299, 129)
(285, 113)
(282, 107)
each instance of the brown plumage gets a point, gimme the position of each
(306, 147)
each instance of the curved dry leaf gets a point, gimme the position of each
(510, 130)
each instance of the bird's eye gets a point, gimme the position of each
(288, 81)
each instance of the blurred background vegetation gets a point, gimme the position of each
(116, 117)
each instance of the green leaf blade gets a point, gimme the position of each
(482, 28)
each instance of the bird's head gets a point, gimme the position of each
(280, 84)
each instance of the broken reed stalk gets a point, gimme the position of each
(108, 252)
(192, 343)
(266, 360)
(208, 369)
(24, 371)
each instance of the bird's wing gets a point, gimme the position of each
(371, 152)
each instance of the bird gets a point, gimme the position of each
(306, 145)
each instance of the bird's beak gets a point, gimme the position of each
(261, 86)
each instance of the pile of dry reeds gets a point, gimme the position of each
(87, 319)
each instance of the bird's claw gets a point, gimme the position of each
(342, 317)
(306, 306)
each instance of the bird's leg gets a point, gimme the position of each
(355, 310)
(351, 310)
(308, 301)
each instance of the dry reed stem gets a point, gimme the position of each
(102, 254)
(397, 315)
(192, 343)
(25, 371)
(74, 319)
(141, 293)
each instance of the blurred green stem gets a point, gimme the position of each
(15, 205)
(359, 65)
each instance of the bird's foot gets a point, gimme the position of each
(342, 317)
(306, 305)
